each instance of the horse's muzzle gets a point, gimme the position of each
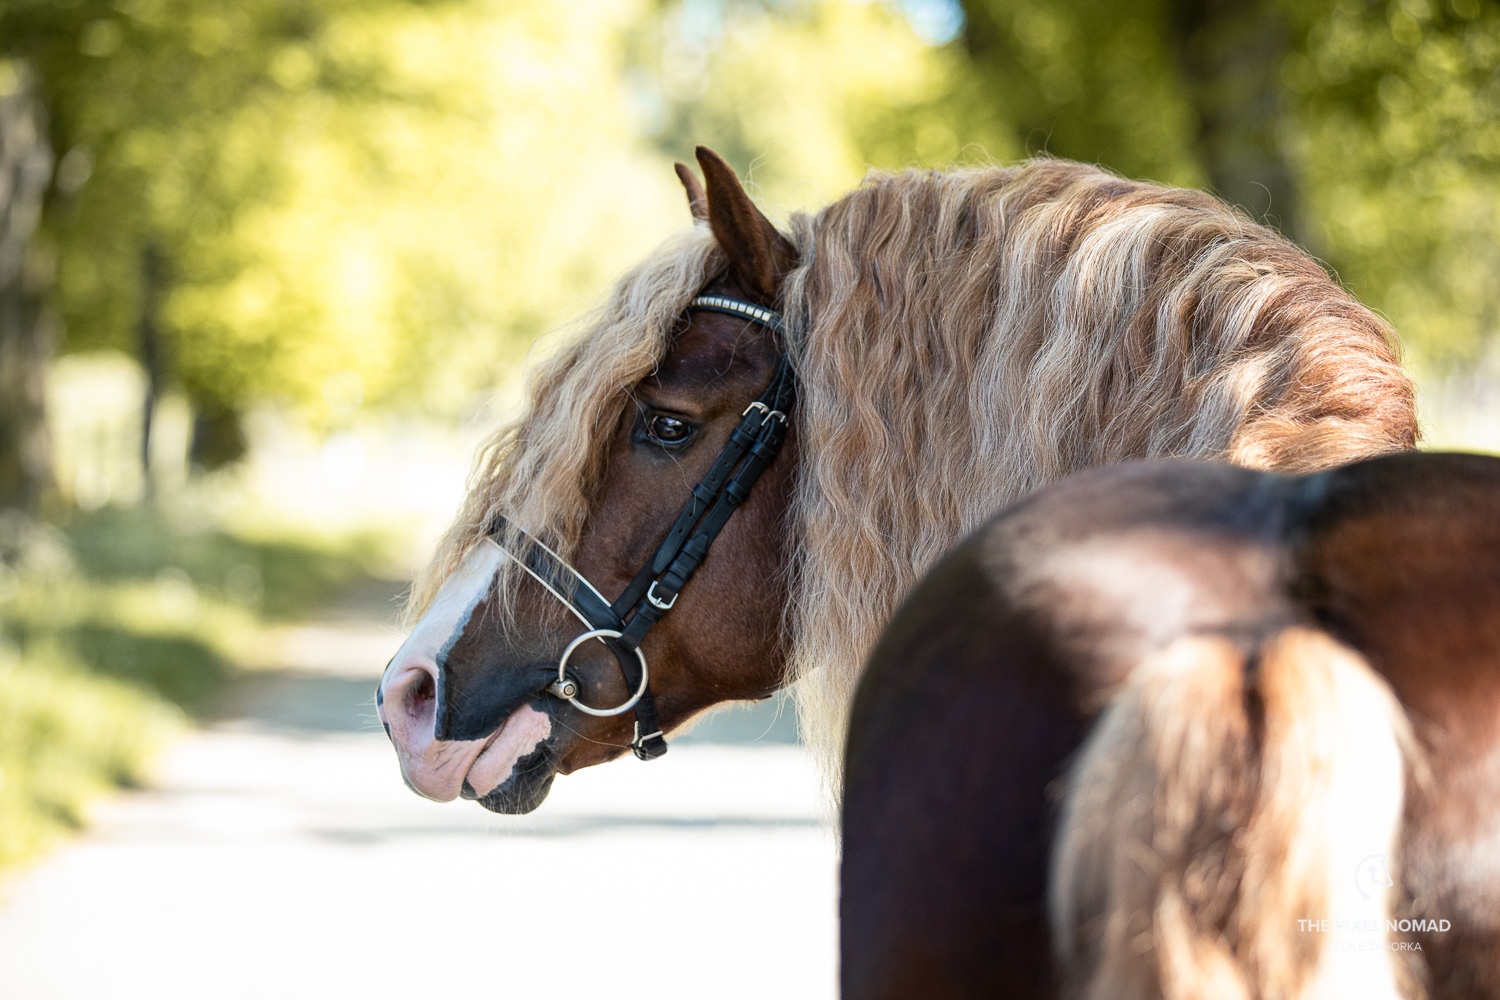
(438, 768)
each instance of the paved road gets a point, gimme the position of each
(278, 855)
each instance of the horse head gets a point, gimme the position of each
(475, 701)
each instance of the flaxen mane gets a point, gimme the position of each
(541, 469)
(961, 339)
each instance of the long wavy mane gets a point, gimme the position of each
(961, 339)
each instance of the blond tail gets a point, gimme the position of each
(1225, 806)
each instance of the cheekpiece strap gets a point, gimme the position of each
(752, 446)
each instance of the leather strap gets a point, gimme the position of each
(753, 445)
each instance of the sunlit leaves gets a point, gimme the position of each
(1397, 138)
(1383, 119)
(400, 190)
(408, 191)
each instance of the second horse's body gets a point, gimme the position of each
(1190, 731)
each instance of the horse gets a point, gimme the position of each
(732, 470)
(1168, 729)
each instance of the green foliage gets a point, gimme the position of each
(1367, 129)
(801, 97)
(165, 605)
(1396, 137)
(144, 100)
(1095, 80)
(65, 737)
(1370, 129)
(279, 575)
(397, 191)
(397, 195)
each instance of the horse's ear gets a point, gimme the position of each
(757, 252)
(697, 200)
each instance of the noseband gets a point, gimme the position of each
(621, 626)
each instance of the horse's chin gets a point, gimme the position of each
(513, 771)
(527, 786)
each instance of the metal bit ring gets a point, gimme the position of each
(565, 684)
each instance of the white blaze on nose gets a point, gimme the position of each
(444, 621)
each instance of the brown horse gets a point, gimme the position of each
(955, 341)
(1210, 713)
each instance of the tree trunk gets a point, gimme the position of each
(1231, 53)
(26, 342)
(150, 345)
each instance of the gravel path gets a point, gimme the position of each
(279, 855)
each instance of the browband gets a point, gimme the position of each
(734, 307)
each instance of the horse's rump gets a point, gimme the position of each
(1216, 822)
(1210, 732)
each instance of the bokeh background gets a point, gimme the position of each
(268, 268)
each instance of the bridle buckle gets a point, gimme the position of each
(641, 750)
(657, 602)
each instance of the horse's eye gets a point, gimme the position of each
(666, 429)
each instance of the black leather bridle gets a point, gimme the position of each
(622, 625)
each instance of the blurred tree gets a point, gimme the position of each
(140, 98)
(1181, 91)
(1367, 129)
(334, 203)
(1093, 80)
(420, 241)
(1231, 54)
(800, 96)
(1394, 134)
(25, 335)
(353, 203)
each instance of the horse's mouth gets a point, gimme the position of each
(525, 788)
(513, 771)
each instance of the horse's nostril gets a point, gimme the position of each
(422, 693)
